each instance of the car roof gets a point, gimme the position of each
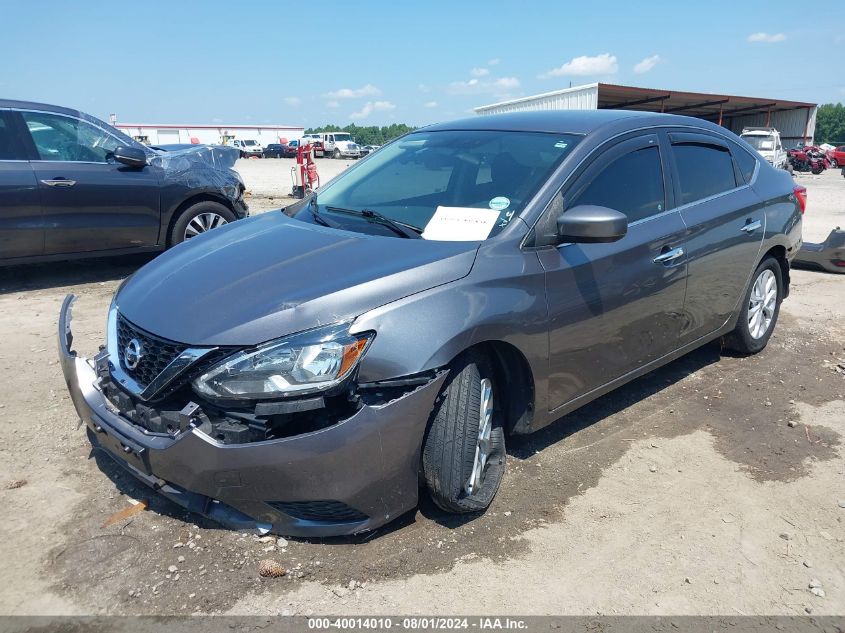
(569, 121)
(46, 107)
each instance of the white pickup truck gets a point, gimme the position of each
(766, 140)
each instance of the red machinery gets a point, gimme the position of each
(304, 174)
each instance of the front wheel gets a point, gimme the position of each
(336, 155)
(759, 313)
(463, 457)
(199, 218)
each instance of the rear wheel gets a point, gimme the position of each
(199, 218)
(463, 456)
(759, 313)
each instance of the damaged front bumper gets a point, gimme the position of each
(350, 477)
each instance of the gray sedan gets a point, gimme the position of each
(301, 372)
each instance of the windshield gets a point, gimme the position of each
(342, 137)
(250, 143)
(760, 143)
(478, 177)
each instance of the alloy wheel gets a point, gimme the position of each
(482, 443)
(761, 307)
(204, 222)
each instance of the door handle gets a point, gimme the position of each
(751, 226)
(669, 256)
(59, 182)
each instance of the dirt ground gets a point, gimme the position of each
(685, 492)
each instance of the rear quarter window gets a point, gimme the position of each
(746, 162)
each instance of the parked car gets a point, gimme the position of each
(469, 281)
(248, 147)
(73, 186)
(291, 148)
(836, 156)
(274, 150)
(369, 149)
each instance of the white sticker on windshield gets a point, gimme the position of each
(460, 224)
(499, 203)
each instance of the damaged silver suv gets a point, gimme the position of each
(303, 372)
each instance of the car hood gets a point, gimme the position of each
(182, 160)
(261, 278)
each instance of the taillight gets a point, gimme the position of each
(801, 195)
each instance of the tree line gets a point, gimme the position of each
(830, 124)
(369, 134)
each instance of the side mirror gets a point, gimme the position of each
(590, 224)
(132, 156)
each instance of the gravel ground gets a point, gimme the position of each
(713, 485)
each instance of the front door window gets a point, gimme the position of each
(62, 138)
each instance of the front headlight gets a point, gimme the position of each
(309, 362)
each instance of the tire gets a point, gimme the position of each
(746, 339)
(336, 155)
(452, 441)
(180, 227)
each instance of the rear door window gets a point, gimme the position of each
(631, 184)
(703, 170)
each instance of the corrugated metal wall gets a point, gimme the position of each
(790, 124)
(579, 98)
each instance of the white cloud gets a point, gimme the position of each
(430, 104)
(293, 101)
(477, 86)
(604, 64)
(370, 107)
(767, 38)
(332, 104)
(493, 61)
(368, 90)
(479, 72)
(647, 64)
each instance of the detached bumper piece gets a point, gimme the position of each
(828, 255)
(351, 476)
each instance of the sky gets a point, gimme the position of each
(376, 63)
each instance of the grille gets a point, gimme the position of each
(329, 511)
(157, 354)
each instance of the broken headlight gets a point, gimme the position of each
(309, 362)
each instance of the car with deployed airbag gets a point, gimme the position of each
(305, 370)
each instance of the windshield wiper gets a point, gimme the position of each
(312, 206)
(400, 228)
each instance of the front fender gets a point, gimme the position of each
(502, 299)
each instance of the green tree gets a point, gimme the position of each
(367, 135)
(830, 124)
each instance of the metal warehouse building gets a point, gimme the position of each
(795, 120)
(217, 134)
